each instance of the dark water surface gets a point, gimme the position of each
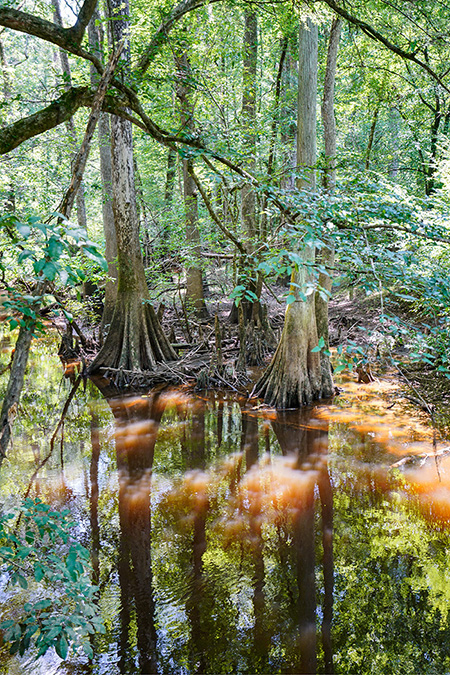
(227, 538)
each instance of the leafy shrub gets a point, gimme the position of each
(46, 561)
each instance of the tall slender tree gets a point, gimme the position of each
(96, 43)
(327, 254)
(194, 275)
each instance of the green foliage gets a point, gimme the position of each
(49, 253)
(350, 356)
(43, 560)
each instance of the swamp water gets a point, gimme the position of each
(226, 538)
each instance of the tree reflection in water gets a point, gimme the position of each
(226, 559)
(227, 539)
(137, 423)
(270, 503)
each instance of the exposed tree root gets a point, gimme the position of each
(294, 377)
(136, 341)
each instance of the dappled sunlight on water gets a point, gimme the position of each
(378, 409)
(229, 538)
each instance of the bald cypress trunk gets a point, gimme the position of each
(135, 340)
(248, 120)
(294, 376)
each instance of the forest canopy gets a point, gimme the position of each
(239, 146)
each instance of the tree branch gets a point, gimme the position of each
(378, 37)
(214, 216)
(67, 38)
(56, 113)
(166, 26)
(84, 16)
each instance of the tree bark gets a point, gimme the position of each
(7, 85)
(373, 126)
(96, 42)
(14, 388)
(294, 376)
(65, 67)
(247, 276)
(170, 177)
(328, 118)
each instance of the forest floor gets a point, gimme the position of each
(355, 329)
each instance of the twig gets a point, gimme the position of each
(53, 438)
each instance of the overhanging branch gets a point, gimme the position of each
(67, 38)
(166, 26)
(58, 112)
(378, 37)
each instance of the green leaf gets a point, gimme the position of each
(49, 271)
(251, 296)
(24, 255)
(62, 647)
(290, 299)
(38, 572)
(14, 647)
(22, 581)
(320, 345)
(88, 650)
(94, 254)
(38, 265)
(24, 230)
(54, 247)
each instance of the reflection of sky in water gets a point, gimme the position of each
(246, 505)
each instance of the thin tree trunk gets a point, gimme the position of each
(194, 276)
(249, 79)
(7, 84)
(14, 388)
(65, 67)
(395, 124)
(328, 118)
(247, 277)
(273, 133)
(431, 168)
(170, 176)
(371, 137)
(288, 128)
(326, 255)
